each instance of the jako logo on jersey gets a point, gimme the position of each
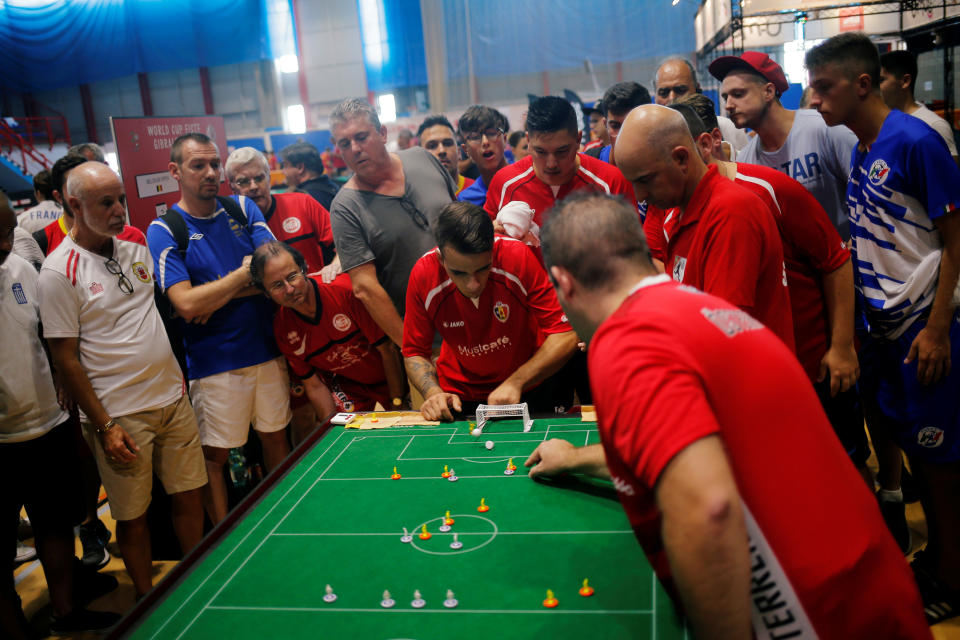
(878, 172)
(196, 236)
(930, 437)
(501, 311)
(18, 293)
(679, 266)
(291, 225)
(453, 325)
(341, 322)
(140, 270)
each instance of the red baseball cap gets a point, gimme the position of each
(754, 61)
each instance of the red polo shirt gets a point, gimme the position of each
(726, 243)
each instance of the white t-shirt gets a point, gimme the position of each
(28, 400)
(737, 138)
(816, 156)
(36, 218)
(124, 348)
(938, 124)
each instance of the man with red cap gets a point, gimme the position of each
(799, 143)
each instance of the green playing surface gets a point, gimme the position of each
(337, 518)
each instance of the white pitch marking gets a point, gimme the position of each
(238, 544)
(640, 612)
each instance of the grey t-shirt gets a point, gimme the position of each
(387, 230)
(816, 156)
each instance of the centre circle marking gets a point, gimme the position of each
(456, 551)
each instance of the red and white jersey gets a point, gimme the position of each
(56, 231)
(673, 365)
(726, 243)
(812, 248)
(340, 338)
(483, 343)
(124, 348)
(304, 224)
(518, 181)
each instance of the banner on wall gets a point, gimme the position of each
(143, 154)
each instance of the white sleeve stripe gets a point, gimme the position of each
(162, 268)
(433, 292)
(264, 225)
(503, 191)
(510, 277)
(600, 181)
(763, 183)
(163, 225)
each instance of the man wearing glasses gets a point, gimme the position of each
(112, 354)
(436, 135)
(483, 130)
(294, 218)
(382, 216)
(327, 335)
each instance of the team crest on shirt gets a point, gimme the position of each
(96, 288)
(879, 171)
(930, 437)
(235, 227)
(140, 270)
(341, 322)
(501, 311)
(291, 225)
(18, 293)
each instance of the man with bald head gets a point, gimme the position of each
(676, 78)
(719, 237)
(109, 345)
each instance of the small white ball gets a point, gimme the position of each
(476, 431)
(489, 444)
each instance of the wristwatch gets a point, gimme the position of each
(111, 423)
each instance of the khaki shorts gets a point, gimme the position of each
(169, 446)
(228, 403)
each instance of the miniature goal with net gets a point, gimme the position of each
(485, 412)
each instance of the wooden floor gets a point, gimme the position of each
(32, 587)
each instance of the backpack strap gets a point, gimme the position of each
(233, 209)
(178, 227)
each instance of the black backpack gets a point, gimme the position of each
(178, 227)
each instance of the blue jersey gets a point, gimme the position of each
(239, 334)
(605, 153)
(475, 193)
(898, 187)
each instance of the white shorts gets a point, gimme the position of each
(227, 403)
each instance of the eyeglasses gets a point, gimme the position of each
(492, 135)
(418, 218)
(243, 183)
(122, 281)
(291, 280)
